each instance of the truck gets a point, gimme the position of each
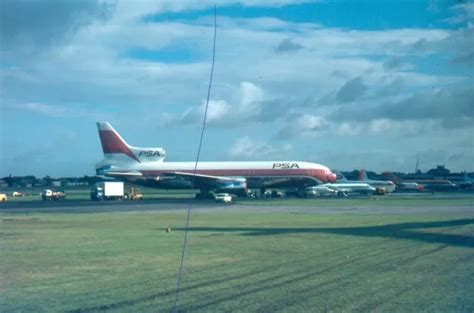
(49, 194)
(107, 191)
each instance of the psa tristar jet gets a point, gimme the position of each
(146, 166)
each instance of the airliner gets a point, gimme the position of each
(388, 185)
(343, 188)
(146, 166)
(426, 184)
(467, 182)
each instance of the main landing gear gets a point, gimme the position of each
(204, 195)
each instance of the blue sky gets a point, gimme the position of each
(349, 84)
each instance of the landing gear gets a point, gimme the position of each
(204, 194)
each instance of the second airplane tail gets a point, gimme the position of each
(362, 175)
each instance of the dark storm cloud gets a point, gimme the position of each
(33, 24)
(464, 59)
(351, 90)
(288, 45)
(454, 108)
(461, 45)
(443, 105)
(395, 64)
(458, 44)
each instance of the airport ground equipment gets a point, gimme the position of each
(380, 191)
(135, 194)
(3, 197)
(49, 194)
(223, 197)
(108, 191)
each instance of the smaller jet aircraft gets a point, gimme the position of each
(342, 189)
(388, 185)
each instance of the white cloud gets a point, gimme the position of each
(246, 148)
(245, 103)
(465, 13)
(217, 113)
(270, 93)
(303, 125)
(50, 110)
(46, 109)
(349, 129)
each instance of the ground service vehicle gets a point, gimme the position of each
(3, 197)
(135, 194)
(223, 197)
(49, 194)
(107, 191)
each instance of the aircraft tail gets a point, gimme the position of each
(341, 178)
(362, 175)
(113, 145)
(466, 177)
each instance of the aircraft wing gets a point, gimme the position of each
(211, 180)
(209, 177)
(124, 174)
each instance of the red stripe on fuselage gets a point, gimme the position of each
(314, 173)
(111, 143)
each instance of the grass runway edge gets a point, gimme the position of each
(236, 261)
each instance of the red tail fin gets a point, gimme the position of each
(362, 175)
(112, 142)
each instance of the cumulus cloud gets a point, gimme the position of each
(464, 13)
(46, 109)
(97, 63)
(27, 26)
(246, 148)
(217, 113)
(443, 104)
(246, 103)
(452, 107)
(50, 110)
(303, 125)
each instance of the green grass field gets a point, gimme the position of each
(389, 200)
(126, 262)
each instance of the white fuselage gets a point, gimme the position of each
(147, 166)
(233, 169)
(351, 187)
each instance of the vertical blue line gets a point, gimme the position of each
(188, 212)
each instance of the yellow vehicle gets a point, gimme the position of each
(135, 194)
(3, 197)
